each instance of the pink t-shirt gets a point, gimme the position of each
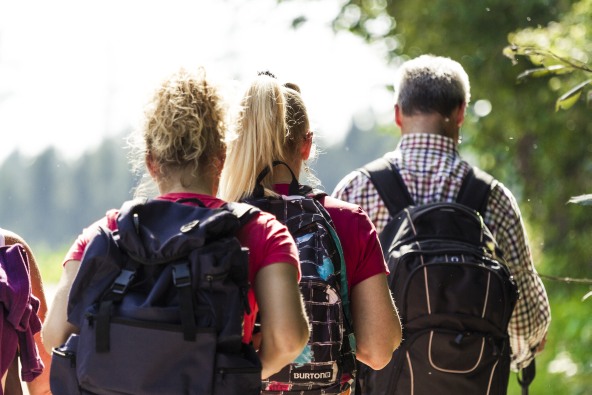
(267, 239)
(359, 240)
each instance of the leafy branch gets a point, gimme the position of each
(551, 64)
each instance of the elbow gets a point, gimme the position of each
(292, 347)
(377, 356)
(375, 360)
(52, 337)
(280, 348)
(49, 339)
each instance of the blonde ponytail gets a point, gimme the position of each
(260, 136)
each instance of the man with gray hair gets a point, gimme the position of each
(431, 96)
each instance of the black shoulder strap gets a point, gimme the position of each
(243, 211)
(388, 184)
(295, 188)
(526, 377)
(474, 191)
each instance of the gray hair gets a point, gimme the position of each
(430, 84)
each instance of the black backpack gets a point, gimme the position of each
(327, 364)
(453, 290)
(160, 305)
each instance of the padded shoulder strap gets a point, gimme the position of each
(243, 211)
(474, 191)
(389, 185)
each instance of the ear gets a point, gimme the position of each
(151, 166)
(460, 115)
(219, 162)
(306, 146)
(398, 115)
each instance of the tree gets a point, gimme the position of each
(544, 156)
(559, 50)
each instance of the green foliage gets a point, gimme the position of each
(49, 260)
(551, 65)
(544, 156)
(564, 367)
(559, 48)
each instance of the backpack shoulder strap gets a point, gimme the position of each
(389, 184)
(474, 191)
(243, 211)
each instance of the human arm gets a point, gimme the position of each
(284, 326)
(376, 322)
(40, 385)
(56, 328)
(531, 316)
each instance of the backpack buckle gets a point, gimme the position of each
(122, 281)
(181, 275)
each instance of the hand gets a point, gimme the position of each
(541, 345)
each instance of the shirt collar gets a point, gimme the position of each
(427, 142)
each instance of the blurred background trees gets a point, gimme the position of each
(512, 130)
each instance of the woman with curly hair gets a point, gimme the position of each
(182, 150)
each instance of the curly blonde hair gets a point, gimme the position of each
(184, 126)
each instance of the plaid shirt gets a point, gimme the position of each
(433, 171)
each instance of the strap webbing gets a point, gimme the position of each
(474, 191)
(182, 280)
(526, 377)
(389, 185)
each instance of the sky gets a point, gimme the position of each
(74, 72)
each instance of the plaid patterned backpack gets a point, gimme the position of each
(327, 364)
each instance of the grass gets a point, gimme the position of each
(50, 263)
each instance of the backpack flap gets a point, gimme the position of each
(441, 220)
(159, 231)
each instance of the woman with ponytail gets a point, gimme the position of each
(273, 127)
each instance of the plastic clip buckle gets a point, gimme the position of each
(181, 275)
(122, 281)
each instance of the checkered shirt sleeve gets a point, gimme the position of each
(433, 171)
(532, 314)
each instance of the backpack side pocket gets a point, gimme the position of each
(62, 376)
